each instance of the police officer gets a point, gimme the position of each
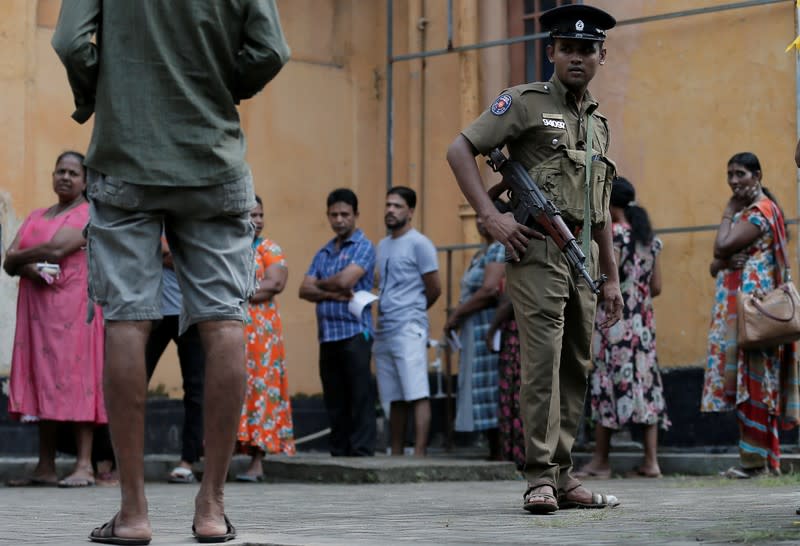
(554, 129)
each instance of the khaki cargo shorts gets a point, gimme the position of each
(209, 233)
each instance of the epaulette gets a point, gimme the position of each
(538, 87)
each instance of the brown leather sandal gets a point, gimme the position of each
(539, 502)
(599, 500)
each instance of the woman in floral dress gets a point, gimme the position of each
(760, 385)
(626, 382)
(266, 422)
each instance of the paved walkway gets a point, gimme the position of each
(679, 511)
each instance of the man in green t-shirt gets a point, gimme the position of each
(167, 151)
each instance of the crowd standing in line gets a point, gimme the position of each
(409, 284)
(477, 403)
(346, 264)
(205, 209)
(761, 385)
(266, 422)
(57, 361)
(192, 363)
(625, 383)
(144, 178)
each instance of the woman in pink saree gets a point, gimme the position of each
(56, 368)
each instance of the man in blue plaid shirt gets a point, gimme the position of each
(343, 266)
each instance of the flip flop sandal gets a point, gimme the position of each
(31, 482)
(180, 474)
(230, 534)
(599, 501)
(105, 534)
(734, 473)
(639, 473)
(249, 478)
(75, 483)
(602, 474)
(545, 505)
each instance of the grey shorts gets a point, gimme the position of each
(209, 234)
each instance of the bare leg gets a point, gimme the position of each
(398, 417)
(46, 467)
(125, 389)
(225, 381)
(422, 425)
(650, 465)
(602, 446)
(256, 463)
(83, 472)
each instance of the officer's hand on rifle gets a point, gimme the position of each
(511, 234)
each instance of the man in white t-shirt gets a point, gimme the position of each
(409, 285)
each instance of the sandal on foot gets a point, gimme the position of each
(639, 473)
(230, 534)
(31, 482)
(76, 482)
(539, 502)
(587, 473)
(249, 478)
(107, 479)
(106, 534)
(736, 473)
(180, 474)
(599, 500)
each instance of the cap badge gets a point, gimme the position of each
(579, 25)
(501, 104)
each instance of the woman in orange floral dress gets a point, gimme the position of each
(266, 422)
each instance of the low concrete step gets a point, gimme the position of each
(322, 468)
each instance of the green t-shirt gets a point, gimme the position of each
(163, 80)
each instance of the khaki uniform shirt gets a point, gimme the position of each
(163, 82)
(544, 130)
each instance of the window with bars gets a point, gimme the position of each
(529, 59)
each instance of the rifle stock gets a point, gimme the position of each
(533, 204)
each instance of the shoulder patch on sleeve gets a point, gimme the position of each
(501, 104)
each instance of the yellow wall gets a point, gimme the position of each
(682, 96)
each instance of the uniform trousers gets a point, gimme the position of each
(555, 316)
(192, 361)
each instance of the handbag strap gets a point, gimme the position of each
(781, 243)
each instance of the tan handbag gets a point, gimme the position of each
(768, 321)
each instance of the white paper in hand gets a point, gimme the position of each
(453, 341)
(48, 268)
(496, 341)
(361, 299)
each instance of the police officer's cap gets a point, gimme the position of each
(577, 21)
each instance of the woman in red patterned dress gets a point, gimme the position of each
(760, 385)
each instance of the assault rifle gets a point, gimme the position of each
(533, 204)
